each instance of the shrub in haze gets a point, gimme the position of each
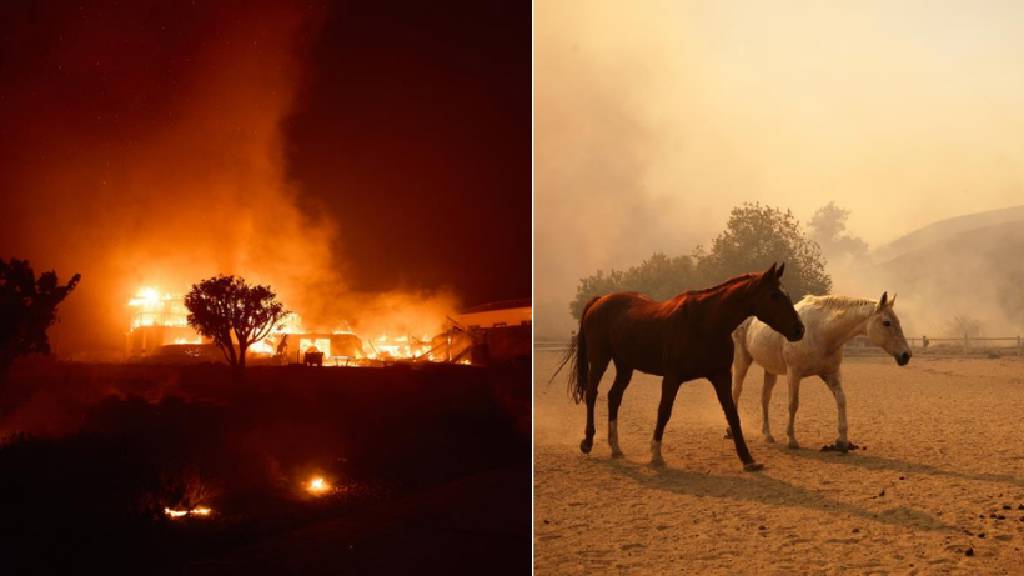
(754, 238)
(828, 227)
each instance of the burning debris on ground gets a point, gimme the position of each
(200, 511)
(220, 463)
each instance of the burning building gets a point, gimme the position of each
(497, 332)
(159, 331)
(158, 319)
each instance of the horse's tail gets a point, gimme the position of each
(577, 353)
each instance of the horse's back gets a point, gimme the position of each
(613, 306)
(627, 327)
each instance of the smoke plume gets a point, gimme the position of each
(155, 156)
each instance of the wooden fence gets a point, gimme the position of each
(965, 345)
(859, 346)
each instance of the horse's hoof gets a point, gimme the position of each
(586, 445)
(616, 453)
(752, 467)
(657, 462)
(769, 439)
(842, 447)
(793, 445)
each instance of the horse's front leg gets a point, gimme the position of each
(721, 383)
(669, 388)
(794, 404)
(740, 365)
(835, 384)
(766, 399)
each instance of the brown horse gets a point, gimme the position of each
(680, 339)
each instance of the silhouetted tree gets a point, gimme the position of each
(28, 306)
(230, 311)
(755, 237)
(827, 229)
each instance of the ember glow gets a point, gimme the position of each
(318, 486)
(180, 513)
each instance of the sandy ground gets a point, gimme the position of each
(943, 461)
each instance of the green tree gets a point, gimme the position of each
(659, 276)
(231, 312)
(28, 307)
(755, 237)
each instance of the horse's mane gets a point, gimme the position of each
(727, 284)
(833, 302)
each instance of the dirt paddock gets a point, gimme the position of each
(939, 488)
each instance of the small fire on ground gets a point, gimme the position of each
(318, 486)
(181, 513)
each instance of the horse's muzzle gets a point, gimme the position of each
(902, 359)
(798, 334)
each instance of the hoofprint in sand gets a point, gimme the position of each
(939, 488)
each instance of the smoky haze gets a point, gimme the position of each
(144, 145)
(134, 182)
(654, 120)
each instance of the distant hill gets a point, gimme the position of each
(971, 265)
(998, 246)
(942, 230)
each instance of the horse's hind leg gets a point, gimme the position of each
(721, 384)
(622, 376)
(594, 378)
(669, 388)
(766, 398)
(741, 361)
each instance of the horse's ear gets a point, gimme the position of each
(782, 268)
(883, 300)
(893, 301)
(770, 273)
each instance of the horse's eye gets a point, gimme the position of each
(886, 323)
(776, 295)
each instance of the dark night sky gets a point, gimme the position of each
(410, 126)
(414, 130)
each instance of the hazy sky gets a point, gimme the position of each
(654, 119)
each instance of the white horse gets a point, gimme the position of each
(830, 322)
